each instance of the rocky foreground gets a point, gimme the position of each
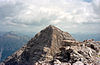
(51, 46)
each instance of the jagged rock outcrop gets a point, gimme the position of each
(53, 46)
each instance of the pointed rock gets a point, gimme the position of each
(43, 46)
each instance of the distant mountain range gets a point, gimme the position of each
(84, 36)
(10, 42)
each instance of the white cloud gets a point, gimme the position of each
(96, 7)
(76, 11)
(67, 13)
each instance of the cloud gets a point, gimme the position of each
(76, 11)
(96, 7)
(63, 13)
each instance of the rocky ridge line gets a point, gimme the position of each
(52, 46)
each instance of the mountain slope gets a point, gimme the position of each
(9, 43)
(51, 45)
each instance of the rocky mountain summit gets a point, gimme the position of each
(51, 46)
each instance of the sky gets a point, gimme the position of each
(74, 16)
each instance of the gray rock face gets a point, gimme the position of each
(48, 47)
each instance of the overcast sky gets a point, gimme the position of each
(33, 15)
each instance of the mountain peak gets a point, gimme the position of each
(45, 43)
(49, 44)
(51, 28)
